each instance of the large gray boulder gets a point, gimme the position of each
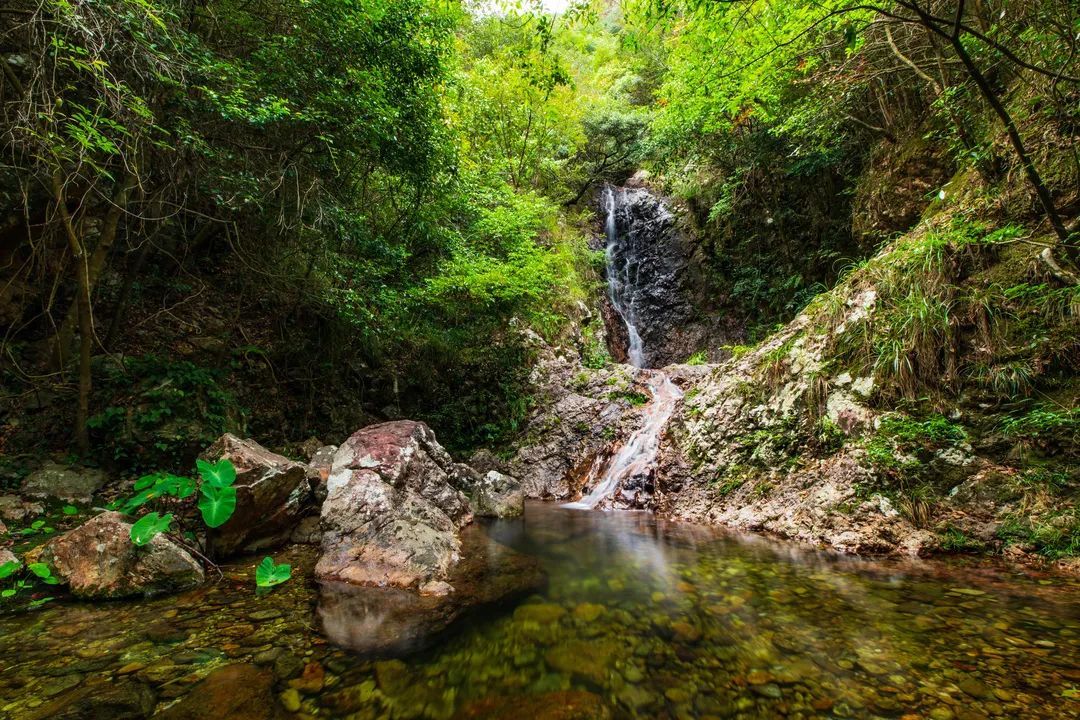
(272, 494)
(498, 496)
(77, 484)
(98, 560)
(392, 511)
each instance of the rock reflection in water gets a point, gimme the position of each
(386, 621)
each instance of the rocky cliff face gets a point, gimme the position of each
(654, 306)
(927, 403)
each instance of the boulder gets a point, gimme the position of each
(98, 699)
(387, 621)
(14, 509)
(391, 514)
(272, 495)
(77, 484)
(484, 461)
(319, 465)
(234, 692)
(6, 555)
(98, 560)
(498, 496)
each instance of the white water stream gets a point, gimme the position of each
(622, 282)
(638, 456)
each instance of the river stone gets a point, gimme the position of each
(562, 705)
(15, 509)
(232, 692)
(98, 560)
(115, 700)
(272, 494)
(388, 621)
(76, 484)
(319, 465)
(391, 515)
(498, 496)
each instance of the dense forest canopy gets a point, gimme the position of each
(298, 215)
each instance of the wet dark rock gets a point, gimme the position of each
(73, 483)
(233, 692)
(392, 621)
(392, 514)
(653, 261)
(563, 705)
(102, 700)
(272, 494)
(98, 560)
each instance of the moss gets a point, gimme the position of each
(953, 539)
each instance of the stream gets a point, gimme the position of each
(641, 618)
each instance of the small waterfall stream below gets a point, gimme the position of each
(629, 469)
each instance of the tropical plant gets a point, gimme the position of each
(268, 574)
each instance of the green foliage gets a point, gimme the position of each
(1054, 535)
(700, 357)
(166, 411)
(955, 540)
(32, 574)
(148, 527)
(217, 500)
(902, 445)
(216, 503)
(268, 574)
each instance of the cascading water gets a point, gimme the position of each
(631, 466)
(622, 280)
(630, 469)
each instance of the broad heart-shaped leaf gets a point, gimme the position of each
(148, 526)
(267, 574)
(8, 568)
(40, 569)
(220, 474)
(175, 485)
(217, 504)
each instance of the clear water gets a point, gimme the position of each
(642, 618)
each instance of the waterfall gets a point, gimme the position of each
(630, 470)
(622, 279)
(634, 461)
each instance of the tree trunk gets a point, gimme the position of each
(82, 304)
(1041, 191)
(93, 268)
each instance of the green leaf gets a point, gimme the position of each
(219, 474)
(70, 510)
(8, 568)
(267, 574)
(40, 569)
(8, 592)
(34, 604)
(148, 526)
(217, 504)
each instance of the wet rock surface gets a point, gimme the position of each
(392, 515)
(272, 494)
(233, 692)
(652, 260)
(98, 560)
(579, 415)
